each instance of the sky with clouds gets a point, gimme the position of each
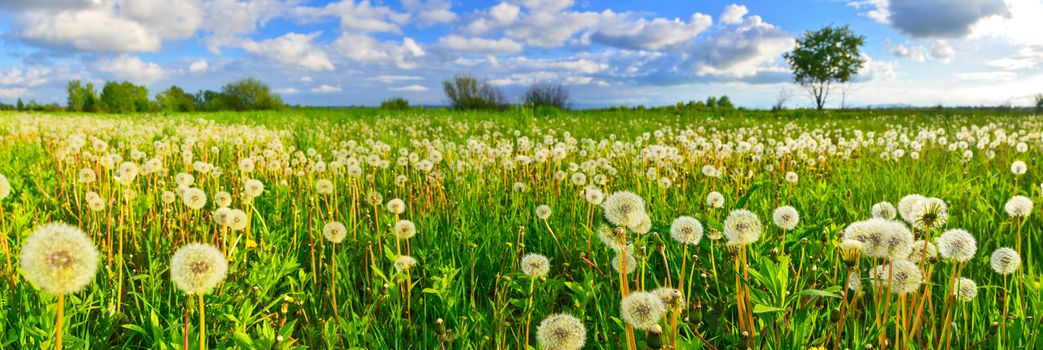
(347, 52)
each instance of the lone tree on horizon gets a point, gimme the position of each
(825, 57)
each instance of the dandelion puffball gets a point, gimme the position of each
(374, 198)
(334, 231)
(1018, 167)
(957, 244)
(966, 289)
(236, 220)
(253, 188)
(905, 206)
(197, 268)
(5, 187)
(903, 276)
(611, 237)
(405, 229)
(404, 263)
(686, 230)
(786, 217)
(742, 227)
(884, 210)
(543, 211)
(594, 196)
(59, 258)
(642, 310)
(194, 198)
(672, 298)
(715, 200)
(922, 250)
(792, 177)
(223, 199)
(561, 332)
(396, 206)
(323, 186)
(928, 214)
(1018, 207)
(630, 262)
(624, 209)
(1005, 261)
(535, 265)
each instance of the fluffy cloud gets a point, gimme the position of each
(942, 51)
(740, 51)
(986, 76)
(292, 49)
(24, 77)
(325, 89)
(365, 49)
(410, 88)
(733, 14)
(360, 17)
(654, 34)
(459, 44)
(198, 66)
(131, 68)
(933, 18)
(228, 21)
(431, 12)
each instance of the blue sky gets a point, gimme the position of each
(919, 52)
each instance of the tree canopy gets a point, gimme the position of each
(825, 57)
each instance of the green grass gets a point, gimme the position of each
(467, 290)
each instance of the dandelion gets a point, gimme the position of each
(631, 262)
(686, 230)
(323, 186)
(535, 265)
(644, 224)
(742, 227)
(334, 231)
(965, 290)
(928, 214)
(612, 238)
(884, 210)
(786, 217)
(594, 196)
(374, 198)
(1005, 261)
(1018, 207)
(221, 215)
(854, 283)
(672, 298)
(792, 177)
(86, 176)
(59, 259)
(543, 212)
(715, 200)
(902, 275)
(624, 209)
(196, 269)
(404, 263)
(223, 199)
(561, 332)
(905, 206)
(194, 198)
(642, 310)
(923, 250)
(253, 188)
(957, 244)
(168, 197)
(1018, 167)
(850, 249)
(405, 229)
(396, 206)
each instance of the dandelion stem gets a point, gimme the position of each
(202, 323)
(58, 323)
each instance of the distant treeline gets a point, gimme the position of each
(126, 97)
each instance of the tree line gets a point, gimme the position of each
(126, 97)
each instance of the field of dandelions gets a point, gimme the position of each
(453, 230)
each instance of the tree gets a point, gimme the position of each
(250, 94)
(465, 92)
(124, 97)
(546, 94)
(81, 97)
(725, 102)
(175, 99)
(825, 57)
(20, 105)
(395, 104)
(1038, 98)
(711, 102)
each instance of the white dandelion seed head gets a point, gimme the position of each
(1018, 207)
(1005, 261)
(194, 198)
(966, 289)
(1018, 167)
(905, 206)
(223, 199)
(792, 177)
(956, 244)
(672, 298)
(168, 197)
(396, 206)
(902, 275)
(561, 332)
(236, 220)
(405, 229)
(884, 210)
(535, 265)
(197, 268)
(220, 215)
(334, 231)
(686, 230)
(594, 196)
(786, 217)
(881, 238)
(404, 263)
(642, 310)
(184, 179)
(624, 209)
(921, 250)
(742, 227)
(928, 214)
(374, 198)
(543, 212)
(610, 237)
(715, 200)
(87, 175)
(854, 283)
(253, 188)
(643, 225)
(324, 186)
(59, 259)
(628, 259)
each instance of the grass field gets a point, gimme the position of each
(471, 185)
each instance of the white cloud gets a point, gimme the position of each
(357, 17)
(167, 18)
(740, 51)
(456, 43)
(286, 91)
(654, 34)
(94, 29)
(933, 18)
(986, 76)
(228, 21)
(431, 12)
(388, 79)
(547, 5)
(410, 88)
(942, 51)
(198, 66)
(365, 49)
(13, 92)
(292, 49)
(25, 77)
(913, 52)
(326, 89)
(133, 69)
(733, 14)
